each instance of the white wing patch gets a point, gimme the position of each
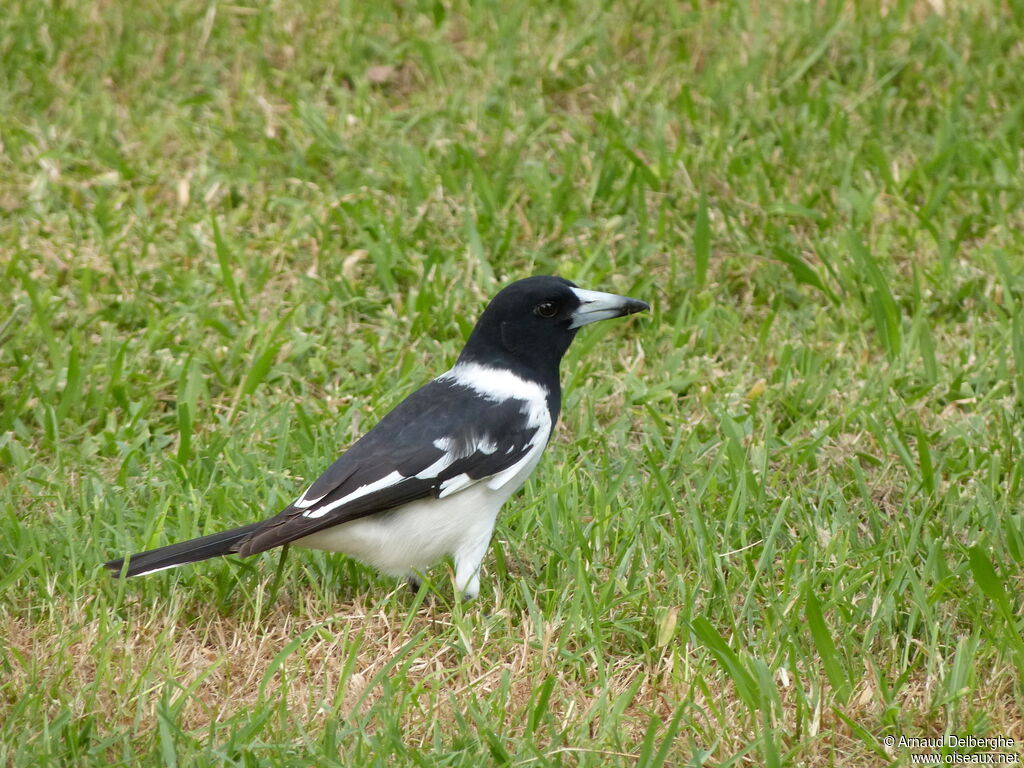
(453, 452)
(302, 502)
(456, 484)
(525, 465)
(442, 444)
(391, 479)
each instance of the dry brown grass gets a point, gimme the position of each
(220, 664)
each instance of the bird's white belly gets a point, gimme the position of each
(416, 535)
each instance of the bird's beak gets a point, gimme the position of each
(595, 306)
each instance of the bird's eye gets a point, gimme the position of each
(546, 309)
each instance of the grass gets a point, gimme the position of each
(781, 519)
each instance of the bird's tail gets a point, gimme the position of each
(192, 551)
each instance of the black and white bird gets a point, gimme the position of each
(428, 480)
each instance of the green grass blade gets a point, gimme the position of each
(825, 646)
(745, 684)
(702, 242)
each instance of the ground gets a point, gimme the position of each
(780, 522)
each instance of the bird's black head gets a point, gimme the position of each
(530, 324)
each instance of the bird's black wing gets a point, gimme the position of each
(441, 439)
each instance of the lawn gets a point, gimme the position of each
(781, 522)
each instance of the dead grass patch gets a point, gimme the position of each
(220, 664)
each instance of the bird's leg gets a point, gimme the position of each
(467, 568)
(471, 588)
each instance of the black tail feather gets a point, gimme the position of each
(192, 551)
